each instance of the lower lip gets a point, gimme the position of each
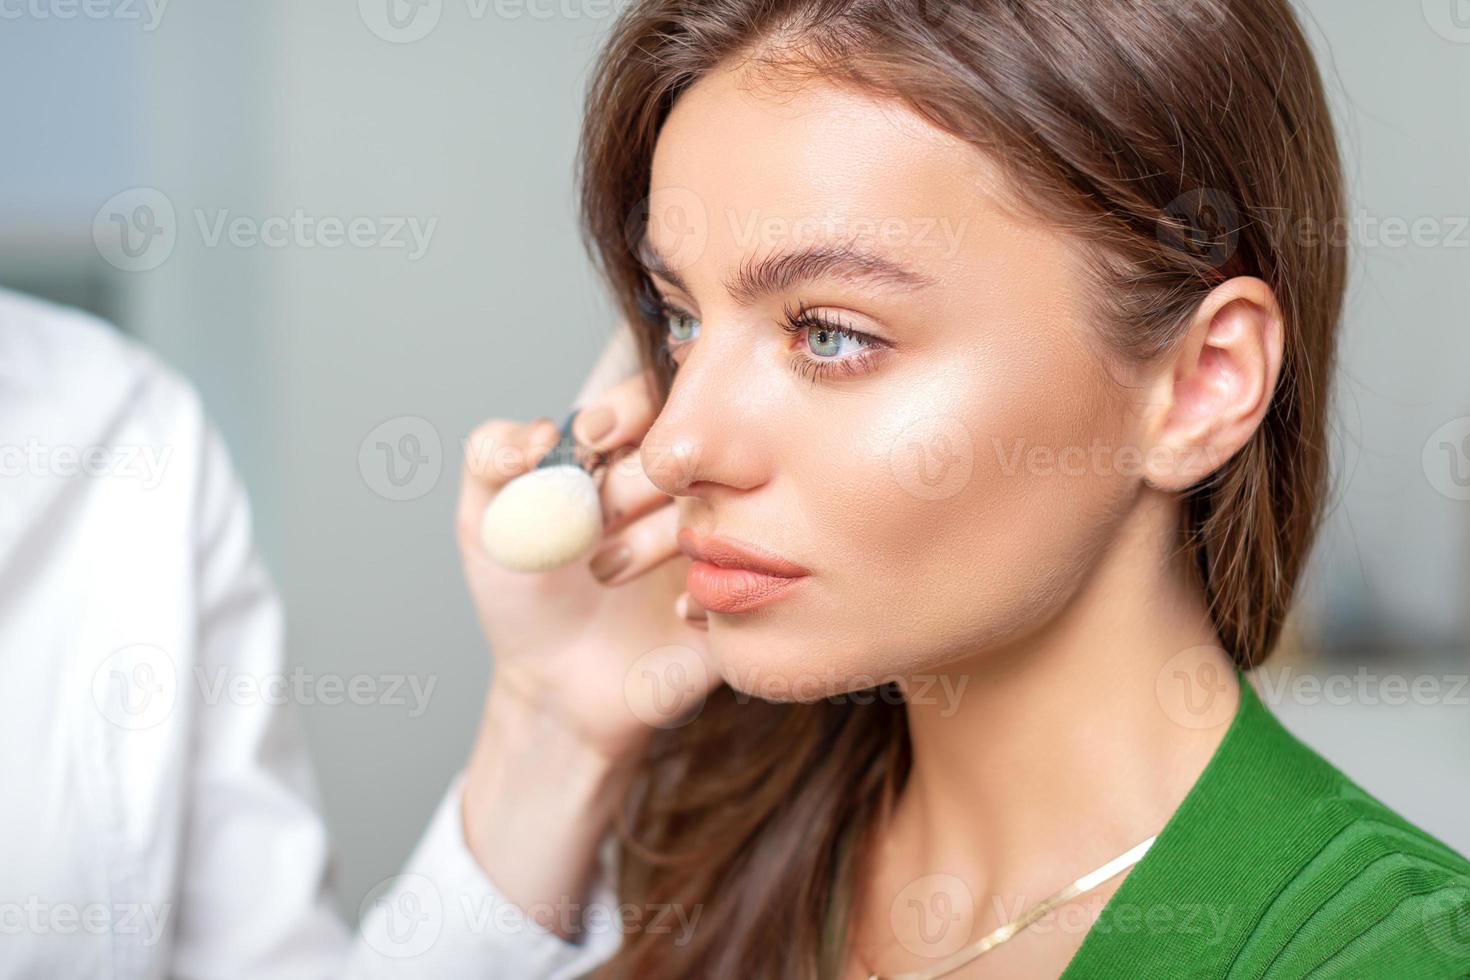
(732, 590)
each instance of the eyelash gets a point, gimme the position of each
(656, 309)
(827, 367)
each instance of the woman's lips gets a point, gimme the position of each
(729, 576)
(731, 590)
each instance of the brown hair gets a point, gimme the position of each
(1182, 140)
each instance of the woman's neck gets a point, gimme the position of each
(1071, 745)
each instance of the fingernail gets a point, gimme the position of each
(544, 437)
(593, 424)
(611, 560)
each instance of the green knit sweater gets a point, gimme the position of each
(1276, 865)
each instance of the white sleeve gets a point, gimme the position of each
(444, 918)
(254, 895)
(255, 891)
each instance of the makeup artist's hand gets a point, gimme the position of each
(570, 705)
(574, 640)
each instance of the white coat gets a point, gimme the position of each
(151, 826)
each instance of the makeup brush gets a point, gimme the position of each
(551, 516)
(547, 517)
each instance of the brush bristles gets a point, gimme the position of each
(543, 520)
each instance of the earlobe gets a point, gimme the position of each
(1214, 389)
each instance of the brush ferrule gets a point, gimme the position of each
(565, 452)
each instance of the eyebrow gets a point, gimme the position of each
(780, 271)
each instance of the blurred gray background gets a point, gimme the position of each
(332, 371)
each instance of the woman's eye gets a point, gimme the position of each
(682, 326)
(828, 348)
(831, 342)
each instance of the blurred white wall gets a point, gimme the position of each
(470, 132)
(463, 124)
(1394, 562)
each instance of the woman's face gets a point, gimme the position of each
(949, 482)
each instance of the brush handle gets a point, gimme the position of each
(564, 453)
(618, 361)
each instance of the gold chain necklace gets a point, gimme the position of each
(1086, 883)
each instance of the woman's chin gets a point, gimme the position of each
(776, 669)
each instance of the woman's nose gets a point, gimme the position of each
(708, 433)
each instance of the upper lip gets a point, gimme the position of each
(729, 553)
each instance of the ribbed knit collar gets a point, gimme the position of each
(1195, 896)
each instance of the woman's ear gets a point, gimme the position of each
(1211, 392)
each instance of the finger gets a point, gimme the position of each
(689, 610)
(495, 453)
(620, 359)
(619, 416)
(626, 491)
(643, 544)
(500, 450)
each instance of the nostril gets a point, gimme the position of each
(670, 465)
(683, 460)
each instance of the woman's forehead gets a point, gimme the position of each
(816, 142)
(761, 167)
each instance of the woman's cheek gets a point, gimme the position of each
(879, 464)
(889, 482)
(954, 495)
